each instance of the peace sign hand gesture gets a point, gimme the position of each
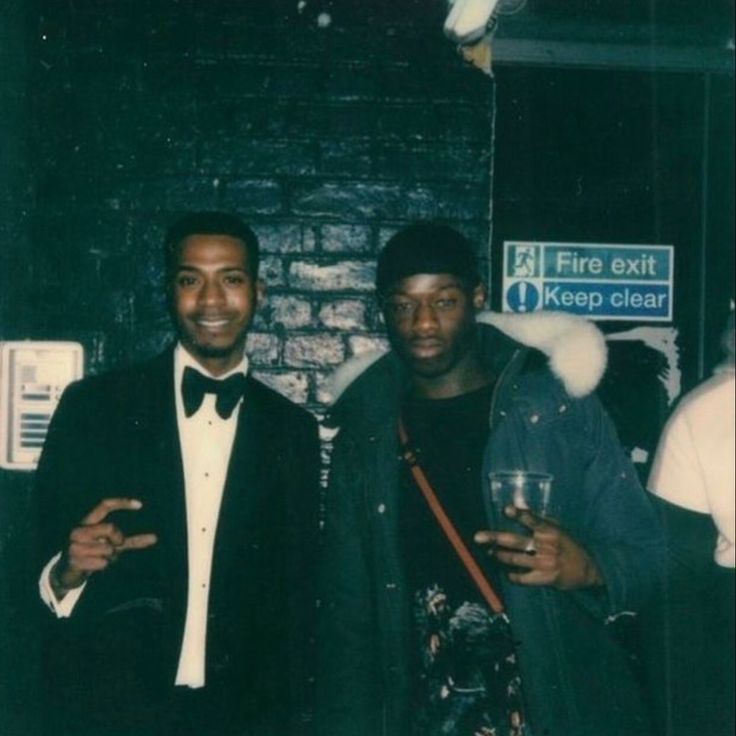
(95, 544)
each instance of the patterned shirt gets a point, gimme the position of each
(465, 675)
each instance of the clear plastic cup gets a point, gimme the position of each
(519, 488)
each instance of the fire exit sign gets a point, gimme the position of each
(598, 281)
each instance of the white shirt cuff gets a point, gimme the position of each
(62, 608)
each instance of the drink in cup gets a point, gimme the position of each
(521, 489)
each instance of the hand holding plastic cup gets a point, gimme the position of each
(521, 489)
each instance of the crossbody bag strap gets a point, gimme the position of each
(485, 587)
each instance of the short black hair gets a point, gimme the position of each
(426, 247)
(209, 223)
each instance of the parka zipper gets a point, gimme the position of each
(497, 387)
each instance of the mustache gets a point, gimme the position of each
(426, 341)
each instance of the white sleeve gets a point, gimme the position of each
(62, 608)
(676, 474)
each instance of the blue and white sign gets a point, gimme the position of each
(598, 281)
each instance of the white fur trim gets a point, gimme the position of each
(349, 371)
(576, 349)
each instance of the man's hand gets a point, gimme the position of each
(95, 544)
(549, 557)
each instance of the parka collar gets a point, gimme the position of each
(368, 388)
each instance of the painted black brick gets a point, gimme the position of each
(450, 121)
(327, 140)
(346, 238)
(348, 199)
(436, 160)
(332, 276)
(358, 80)
(430, 82)
(241, 156)
(346, 157)
(255, 196)
(286, 237)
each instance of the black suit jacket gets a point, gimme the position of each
(115, 659)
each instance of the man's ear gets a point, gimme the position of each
(479, 296)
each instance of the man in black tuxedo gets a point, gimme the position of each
(179, 506)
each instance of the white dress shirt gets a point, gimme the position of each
(206, 441)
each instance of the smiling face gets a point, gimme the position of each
(430, 320)
(213, 297)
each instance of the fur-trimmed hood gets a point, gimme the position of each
(575, 349)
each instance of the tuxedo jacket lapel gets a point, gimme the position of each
(165, 474)
(242, 495)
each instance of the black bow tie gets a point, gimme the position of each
(195, 386)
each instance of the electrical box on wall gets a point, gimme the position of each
(33, 376)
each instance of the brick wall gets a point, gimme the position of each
(326, 139)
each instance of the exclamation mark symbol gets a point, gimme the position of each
(522, 297)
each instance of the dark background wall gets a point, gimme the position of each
(615, 124)
(324, 138)
(607, 120)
